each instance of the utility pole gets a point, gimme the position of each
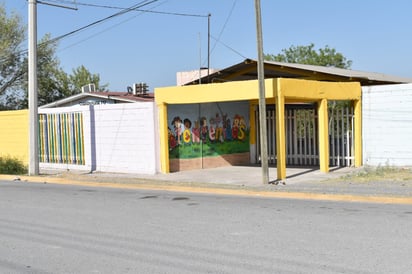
(262, 97)
(33, 113)
(208, 46)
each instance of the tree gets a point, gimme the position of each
(326, 56)
(53, 82)
(81, 76)
(11, 62)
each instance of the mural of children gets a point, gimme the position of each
(186, 133)
(227, 128)
(235, 127)
(203, 129)
(196, 132)
(212, 129)
(178, 128)
(219, 129)
(172, 139)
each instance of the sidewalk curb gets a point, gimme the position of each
(215, 190)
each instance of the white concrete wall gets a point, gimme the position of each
(184, 77)
(125, 138)
(118, 138)
(387, 125)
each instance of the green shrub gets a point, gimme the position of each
(10, 165)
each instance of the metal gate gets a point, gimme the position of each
(301, 127)
(61, 138)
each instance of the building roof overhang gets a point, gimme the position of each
(247, 70)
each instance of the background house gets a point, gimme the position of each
(100, 131)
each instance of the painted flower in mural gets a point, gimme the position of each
(186, 133)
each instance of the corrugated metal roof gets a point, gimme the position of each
(346, 72)
(247, 70)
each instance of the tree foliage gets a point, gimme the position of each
(53, 82)
(81, 76)
(326, 56)
(11, 63)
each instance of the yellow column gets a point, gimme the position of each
(280, 136)
(164, 138)
(357, 105)
(323, 126)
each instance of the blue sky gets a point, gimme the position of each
(150, 47)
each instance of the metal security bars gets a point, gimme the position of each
(302, 136)
(61, 138)
(341, 149)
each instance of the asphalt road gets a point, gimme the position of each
(46, 228)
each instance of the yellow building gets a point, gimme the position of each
(279, 92)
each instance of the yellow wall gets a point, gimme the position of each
(315, 90)
(223, 92)
(14, 132)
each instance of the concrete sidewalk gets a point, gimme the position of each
(299, 179)
(300, 182)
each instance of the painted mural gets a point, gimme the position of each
(211, 129)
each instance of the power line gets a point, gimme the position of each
(124, 11)
(135, 7)
(54, 40)
(228, 47)
(107, 29)
(121, 8)
(224, 25)
(55, 5)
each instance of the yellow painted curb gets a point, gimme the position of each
(221, 191)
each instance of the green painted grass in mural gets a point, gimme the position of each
(208, 149)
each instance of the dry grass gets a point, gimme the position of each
(386, 173)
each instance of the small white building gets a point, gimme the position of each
(100, 131)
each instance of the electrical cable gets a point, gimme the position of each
(228, 47)
(54, 40)
(224, 25)
(135, 7)
(120, 8)
(132, 8)
(107, 29)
